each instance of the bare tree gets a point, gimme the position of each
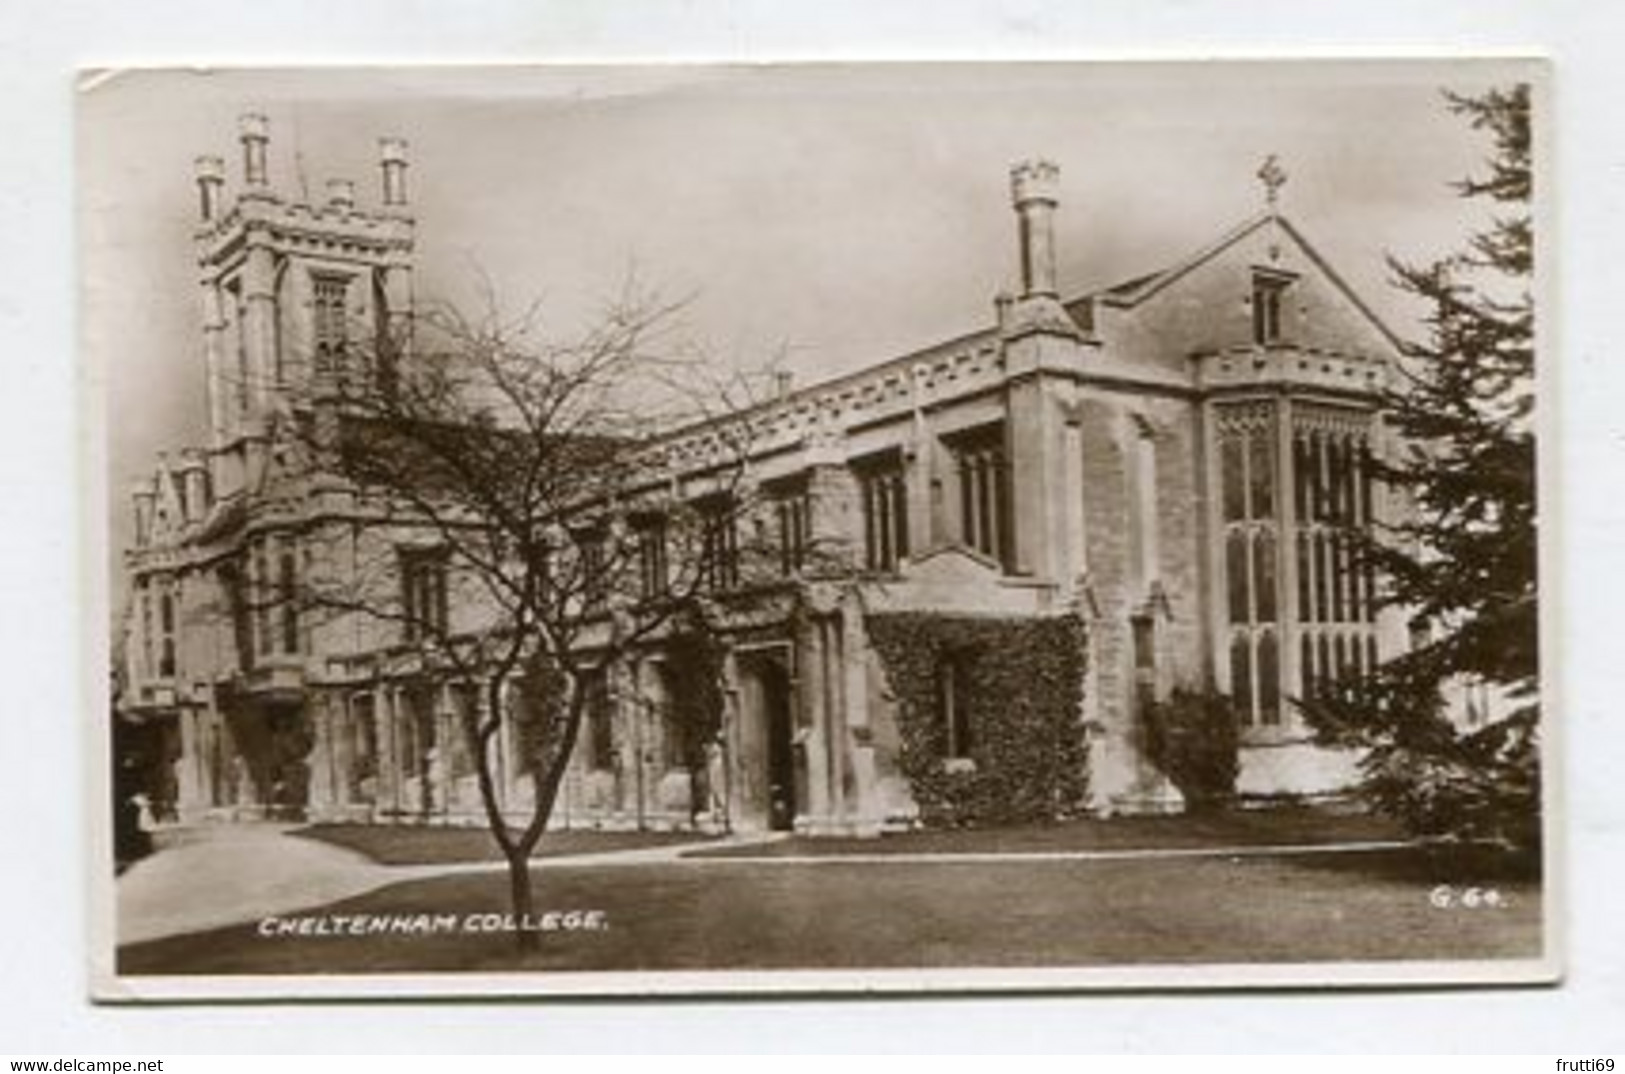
(526, 511)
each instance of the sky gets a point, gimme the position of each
(835, 215)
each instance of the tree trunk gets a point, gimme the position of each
(523, 904)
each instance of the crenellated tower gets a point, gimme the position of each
(300, 301)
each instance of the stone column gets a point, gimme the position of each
(323, 793)
(814, 705)
(856, 769)
(731, 761)
(387, 712)
(445, 738)
(190, 784)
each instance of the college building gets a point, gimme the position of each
(1043, 529)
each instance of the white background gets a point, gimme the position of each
(44, 592)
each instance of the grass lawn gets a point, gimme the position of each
(1258, 827)
(774, 915)
(416, 845)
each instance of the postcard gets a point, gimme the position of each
(817, 527)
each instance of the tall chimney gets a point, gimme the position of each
(1033, 186)
(142, 496)
(211, 178)
(194, 476)
(340, 194)
(254, 129)
(392, 162)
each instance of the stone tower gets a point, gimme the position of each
(299, 300)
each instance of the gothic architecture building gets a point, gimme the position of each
(1050, 525)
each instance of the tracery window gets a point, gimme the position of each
(330, 324)
(1336, 592)
(1247, 462)
(1299, 600)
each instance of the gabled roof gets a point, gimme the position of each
(1132, 292)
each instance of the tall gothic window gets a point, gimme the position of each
(1269, 293)
(260, 584)
(792, 509)
(330, 325)
(592, 544)
(984, 491)
(954, 675)
(600, 719)
(1247, 462)
(166, 626)
(287, 595)
(719, 544)
(239, 319)
(1336, 590)
(649, 534)
(885, 510)
(424, 608)
(144, 598)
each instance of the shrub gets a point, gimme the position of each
(1191, 737)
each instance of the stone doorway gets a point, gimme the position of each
(767, 760)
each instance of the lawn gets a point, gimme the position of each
(1259, 827)
(419, 845)
(753, 914)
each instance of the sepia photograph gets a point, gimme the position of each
(688, 529)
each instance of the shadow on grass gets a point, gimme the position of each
(1435, 863)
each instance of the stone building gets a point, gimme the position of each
(1049, 525)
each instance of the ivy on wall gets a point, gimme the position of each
(1020, 683)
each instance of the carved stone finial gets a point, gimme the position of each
(1274, 177)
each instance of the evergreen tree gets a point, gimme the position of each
(1462, 565)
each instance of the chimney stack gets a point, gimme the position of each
(254, 129)
(392, 162)
(211, 178)
(341, 194)
(1001, 309)
(1033, 187)
(142, 496)
(194, 477)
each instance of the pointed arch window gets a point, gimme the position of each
(1249, 475)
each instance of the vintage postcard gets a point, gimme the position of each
(696, 529)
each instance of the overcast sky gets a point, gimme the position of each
(841, 214)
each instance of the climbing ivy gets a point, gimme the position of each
(1021, 684)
